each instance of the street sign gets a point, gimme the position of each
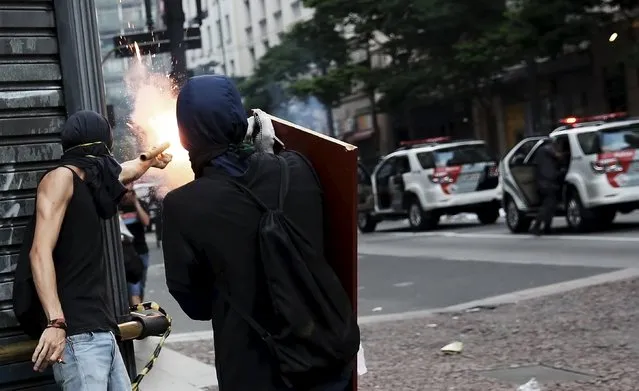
(154, 42)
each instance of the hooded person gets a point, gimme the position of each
(211, 228)
(87, 142)
(60, 290)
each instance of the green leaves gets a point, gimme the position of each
(434, 48)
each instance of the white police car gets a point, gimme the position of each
(426, 179)
(602, 177)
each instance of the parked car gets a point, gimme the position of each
(602, 177)
(426, 179)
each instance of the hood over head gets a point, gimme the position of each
(86, 127)
(211, 119)
(87, 141)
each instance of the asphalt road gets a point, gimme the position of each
(459, 262)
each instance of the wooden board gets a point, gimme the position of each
(336, 165)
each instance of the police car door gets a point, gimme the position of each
(397, 184)
(522, 172)
(382, 185)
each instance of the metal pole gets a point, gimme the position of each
(221, 32)
(84, 90)
(174, 14)
(149, 15)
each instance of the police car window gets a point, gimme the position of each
(386, 170)
(362, 175)
(461, 154)
(402, 165)
(535, 153)
(426, 160)
(524, 149)
(612, 140)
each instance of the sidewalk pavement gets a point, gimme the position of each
(583, 340)
(172, 371)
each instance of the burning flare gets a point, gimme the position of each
(153, 120)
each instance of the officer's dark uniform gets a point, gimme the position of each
(550, 176)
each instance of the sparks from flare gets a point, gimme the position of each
(153, 119)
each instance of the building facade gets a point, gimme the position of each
(236, 33)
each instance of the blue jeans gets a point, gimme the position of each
(137, 289)
(92, 362)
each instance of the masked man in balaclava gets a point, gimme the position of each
(67, 260)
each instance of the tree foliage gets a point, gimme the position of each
(311, 60)
(433, 48)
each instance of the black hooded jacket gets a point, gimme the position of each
(550, 169)
(210, 225)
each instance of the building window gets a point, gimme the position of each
(228, 29)
(114, 66)
(133, 17)
(297, 11)
(232, 66)
(109, 20)
(267, 45)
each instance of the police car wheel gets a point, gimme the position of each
(578, 218)
(418, 219)
(516, 221)
(365, 222)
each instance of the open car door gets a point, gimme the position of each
(523, 170)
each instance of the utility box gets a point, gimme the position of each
(49, 68)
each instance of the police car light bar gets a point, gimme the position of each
(431, 140)
(602, 117)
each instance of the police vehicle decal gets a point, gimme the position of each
(621, 168)
(466, 178)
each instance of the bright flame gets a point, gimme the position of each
(153, 121)
(613, 37)
(137, 52)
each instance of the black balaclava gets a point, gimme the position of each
(87, 143)
(212, 123)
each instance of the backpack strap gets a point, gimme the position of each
(284, 185)
(284, 181)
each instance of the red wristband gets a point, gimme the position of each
(57, 323)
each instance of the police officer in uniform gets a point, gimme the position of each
(551, 171)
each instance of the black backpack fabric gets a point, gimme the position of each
(314, 336)
(26, 304)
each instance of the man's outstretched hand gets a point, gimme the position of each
(162, 160)
(132, 170)
(49, 349)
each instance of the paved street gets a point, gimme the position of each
(459, 262)
(406, 276)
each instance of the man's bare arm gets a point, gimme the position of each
(54, 192)
(132, 170)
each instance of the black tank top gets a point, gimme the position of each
(80, 266)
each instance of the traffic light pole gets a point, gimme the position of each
(174, 20)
